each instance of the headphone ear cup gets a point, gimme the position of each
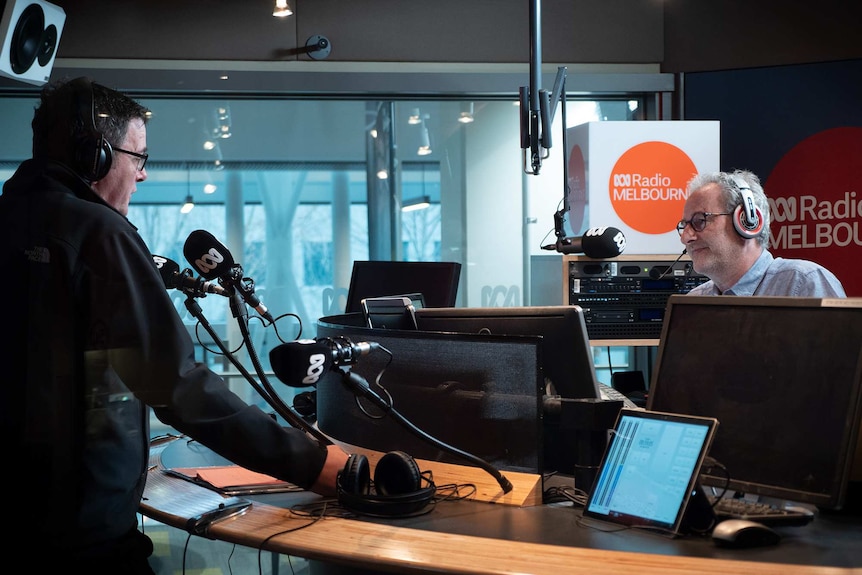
(399, 492)
(744, 227)
(397, 473)
(93, 155)
(355, 478)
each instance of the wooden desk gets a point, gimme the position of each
(470, 537)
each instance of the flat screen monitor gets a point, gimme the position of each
(567, 359)
(479, 394)
(782, 376)
(436, 281)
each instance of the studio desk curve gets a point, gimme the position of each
(473, 537)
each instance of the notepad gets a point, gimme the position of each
(649, 471)
(232, 480)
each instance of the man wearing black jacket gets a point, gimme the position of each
(92, 338)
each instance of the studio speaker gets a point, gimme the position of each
(30, 32)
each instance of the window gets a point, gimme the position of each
(299, 189)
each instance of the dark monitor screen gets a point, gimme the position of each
(567, 360)
(479, 394)
(781, 375)
(436, 281)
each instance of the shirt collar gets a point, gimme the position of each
(748, 283)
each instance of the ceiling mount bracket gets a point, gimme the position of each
(318, 47)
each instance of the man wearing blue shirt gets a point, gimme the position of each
(725, 230)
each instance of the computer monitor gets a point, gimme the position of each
(479, 394)
(782, 375)
(436, 281)
(567, 360)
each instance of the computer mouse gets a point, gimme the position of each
(742, 533)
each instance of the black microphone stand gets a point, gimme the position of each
(669, 268)
(563, 241)
(240, 312)
(360, 387)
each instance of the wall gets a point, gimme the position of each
(726, 34)
(682, 36)
(484, 31)
(781, 122)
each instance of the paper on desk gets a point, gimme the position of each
(228, 476)
(232, 479)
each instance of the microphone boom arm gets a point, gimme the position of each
(360, 387)
(268, 394)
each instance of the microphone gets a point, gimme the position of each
(307, 359)
(213, 260)
(600, 243)
(183, 280)
(300, 363)
(654, 273)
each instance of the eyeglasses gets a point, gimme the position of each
(698, 221)
(142, 158)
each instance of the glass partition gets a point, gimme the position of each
(298, 189)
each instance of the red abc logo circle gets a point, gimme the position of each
(647, 186)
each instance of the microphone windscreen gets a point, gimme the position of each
(300, 363)
(168, 269)
(207, 255)
(609, 243)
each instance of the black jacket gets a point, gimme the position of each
(90, 337)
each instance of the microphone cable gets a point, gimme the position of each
(360, 387)
(267, 393)
(271, 396)
(668, 269)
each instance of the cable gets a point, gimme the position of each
(610, 362)
(562, 493)
(709, 463)
(272, 399)
(360, 387)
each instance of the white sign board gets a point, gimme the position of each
(633, 175)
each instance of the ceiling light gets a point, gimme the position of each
(218, 163)
(414, 117)
(188, 206)
(210, 188)
(414, 204)
(382, 174)
(424, 141)
(221, 122)
(466, 115)
(281, 9)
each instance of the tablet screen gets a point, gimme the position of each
(649, 470)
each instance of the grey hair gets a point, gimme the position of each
(732, 195)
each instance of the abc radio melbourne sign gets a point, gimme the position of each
(635, 175)
(815, 202)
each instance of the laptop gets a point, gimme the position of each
(648, 474)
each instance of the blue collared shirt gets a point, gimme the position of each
(771, 276)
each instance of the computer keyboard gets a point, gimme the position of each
(768, 514)
(608, 393)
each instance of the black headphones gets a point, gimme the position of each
(92, 154)
(747, 218)
(397, 489)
